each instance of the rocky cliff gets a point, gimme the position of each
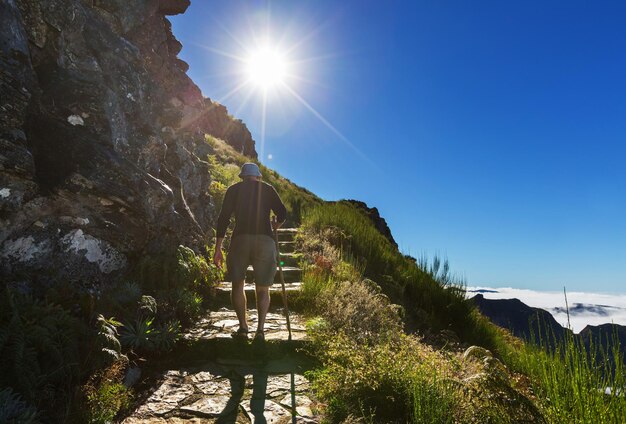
(102, 152)
(379, 222)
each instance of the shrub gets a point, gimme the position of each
(166, 335)
(105, 395)
(360, 312)
(145, 333)
(188, 305)
(433, 299)
(126, 293)
(138, 335)
(384, 382)
(195, 273)
(14, 410)
(107, 401)
(217, 190)
(433, 399)
(39, 349)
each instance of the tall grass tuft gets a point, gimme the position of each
(577, 383)
(433, 399)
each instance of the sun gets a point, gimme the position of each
(270, 71)
(266, 68)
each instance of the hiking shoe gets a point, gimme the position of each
(241, 333)
(259, 337)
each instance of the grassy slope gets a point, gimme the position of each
(369, 361)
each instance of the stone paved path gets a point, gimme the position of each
(239, 381)
(220, 324)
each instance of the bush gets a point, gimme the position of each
(138, 335)
(39, 349)
(107, 401)
(14, 410)
(195, 273)
(360, 312)
(385, 382)
(166, 335)
(108, 347)
(126, 293)
(105, 395)
(188, 305)
(145, 334)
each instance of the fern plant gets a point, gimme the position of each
(39, 347)
(13, 409)
(107, 342)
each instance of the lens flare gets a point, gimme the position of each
(266, 68)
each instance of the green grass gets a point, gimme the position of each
(361, 376)
(433, 300)
(570, 381)
(384, 381)
(379, 379)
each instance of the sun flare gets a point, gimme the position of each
(266, 68)
(270, 74)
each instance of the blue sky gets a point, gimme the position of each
(489, 132)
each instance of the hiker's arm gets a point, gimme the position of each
(279, 209)
(218, 256)
(228, 206)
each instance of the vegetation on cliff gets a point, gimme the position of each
(449, 364)
(396, 338)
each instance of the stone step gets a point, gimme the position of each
(214, 392)
(288, 234)
(223, 289)
(210, 339)
(286, 246)
(219, 325)
(291, 274)
(290, 259)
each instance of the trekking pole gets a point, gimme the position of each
(282, 280)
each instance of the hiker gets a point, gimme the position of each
(252, 243)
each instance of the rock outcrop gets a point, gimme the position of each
(374, 216)
(102, 152)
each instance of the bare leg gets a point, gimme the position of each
(240, 303)
(262, 305)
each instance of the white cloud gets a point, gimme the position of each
(585, 308)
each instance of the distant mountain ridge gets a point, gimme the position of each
(538, 326)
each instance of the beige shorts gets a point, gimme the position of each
(258, 250)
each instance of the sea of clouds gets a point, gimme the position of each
(584, 308)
